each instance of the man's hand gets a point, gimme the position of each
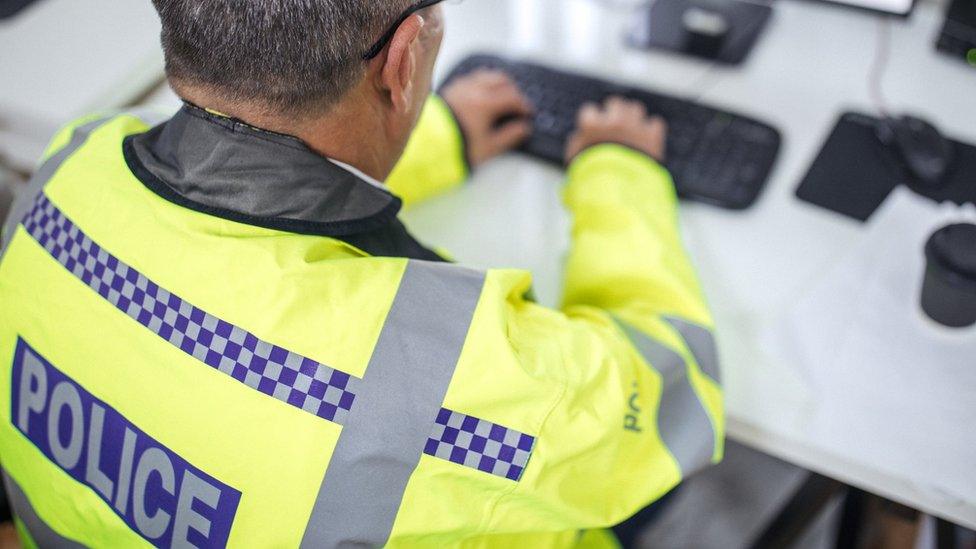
(619, 121)
(479, 101)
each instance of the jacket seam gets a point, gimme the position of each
(202, 114)
(563, 389)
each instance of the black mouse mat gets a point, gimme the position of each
(855, 172)
(660, 27)
(9, 8)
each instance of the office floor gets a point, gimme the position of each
(728, 505)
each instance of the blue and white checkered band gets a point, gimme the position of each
(270, 369)
(483, 445)
(263, 366)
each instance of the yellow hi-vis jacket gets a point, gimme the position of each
(185, 365)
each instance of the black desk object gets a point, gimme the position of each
(10, 8)
(717, 157)
(662, 27)
(855, 172)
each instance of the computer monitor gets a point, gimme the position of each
(894, 7)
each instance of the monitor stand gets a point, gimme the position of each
(718, 30)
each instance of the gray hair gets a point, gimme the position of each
(291, 56)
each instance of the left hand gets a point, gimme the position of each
(479, 100)
(622, 121)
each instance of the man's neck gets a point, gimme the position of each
(350, 132)
(353, 134)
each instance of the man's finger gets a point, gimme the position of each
(589, 113)
(619, 110)
(636, 110)
(615, 103)
(490, 77)
(658, 124)
(659, 131)
(509, 100)
(511, 135)
(572, 147)
(500, 80)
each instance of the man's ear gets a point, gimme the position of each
(400, 64)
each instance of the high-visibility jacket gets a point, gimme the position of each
(210, 335)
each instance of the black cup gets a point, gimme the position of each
(949, 289)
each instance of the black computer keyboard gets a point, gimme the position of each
(715, 156)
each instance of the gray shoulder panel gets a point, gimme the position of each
(43, 175)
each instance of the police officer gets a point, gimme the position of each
(215, 331)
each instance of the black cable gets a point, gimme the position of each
(882, 55)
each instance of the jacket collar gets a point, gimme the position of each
(224, 167)
(233, 170)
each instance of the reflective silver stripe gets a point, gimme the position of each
(701, 342)
(44, 174)
(44, 536)
(682, 420)
(399, 399)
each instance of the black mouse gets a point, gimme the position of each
(924, 152)
(706, 30)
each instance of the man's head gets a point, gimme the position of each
(284, 63)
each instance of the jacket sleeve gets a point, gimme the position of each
(641, 406)
(434, 160)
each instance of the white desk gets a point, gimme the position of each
(811, 65)
(61, 59)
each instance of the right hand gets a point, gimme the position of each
(619, 121)
(479, 100)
